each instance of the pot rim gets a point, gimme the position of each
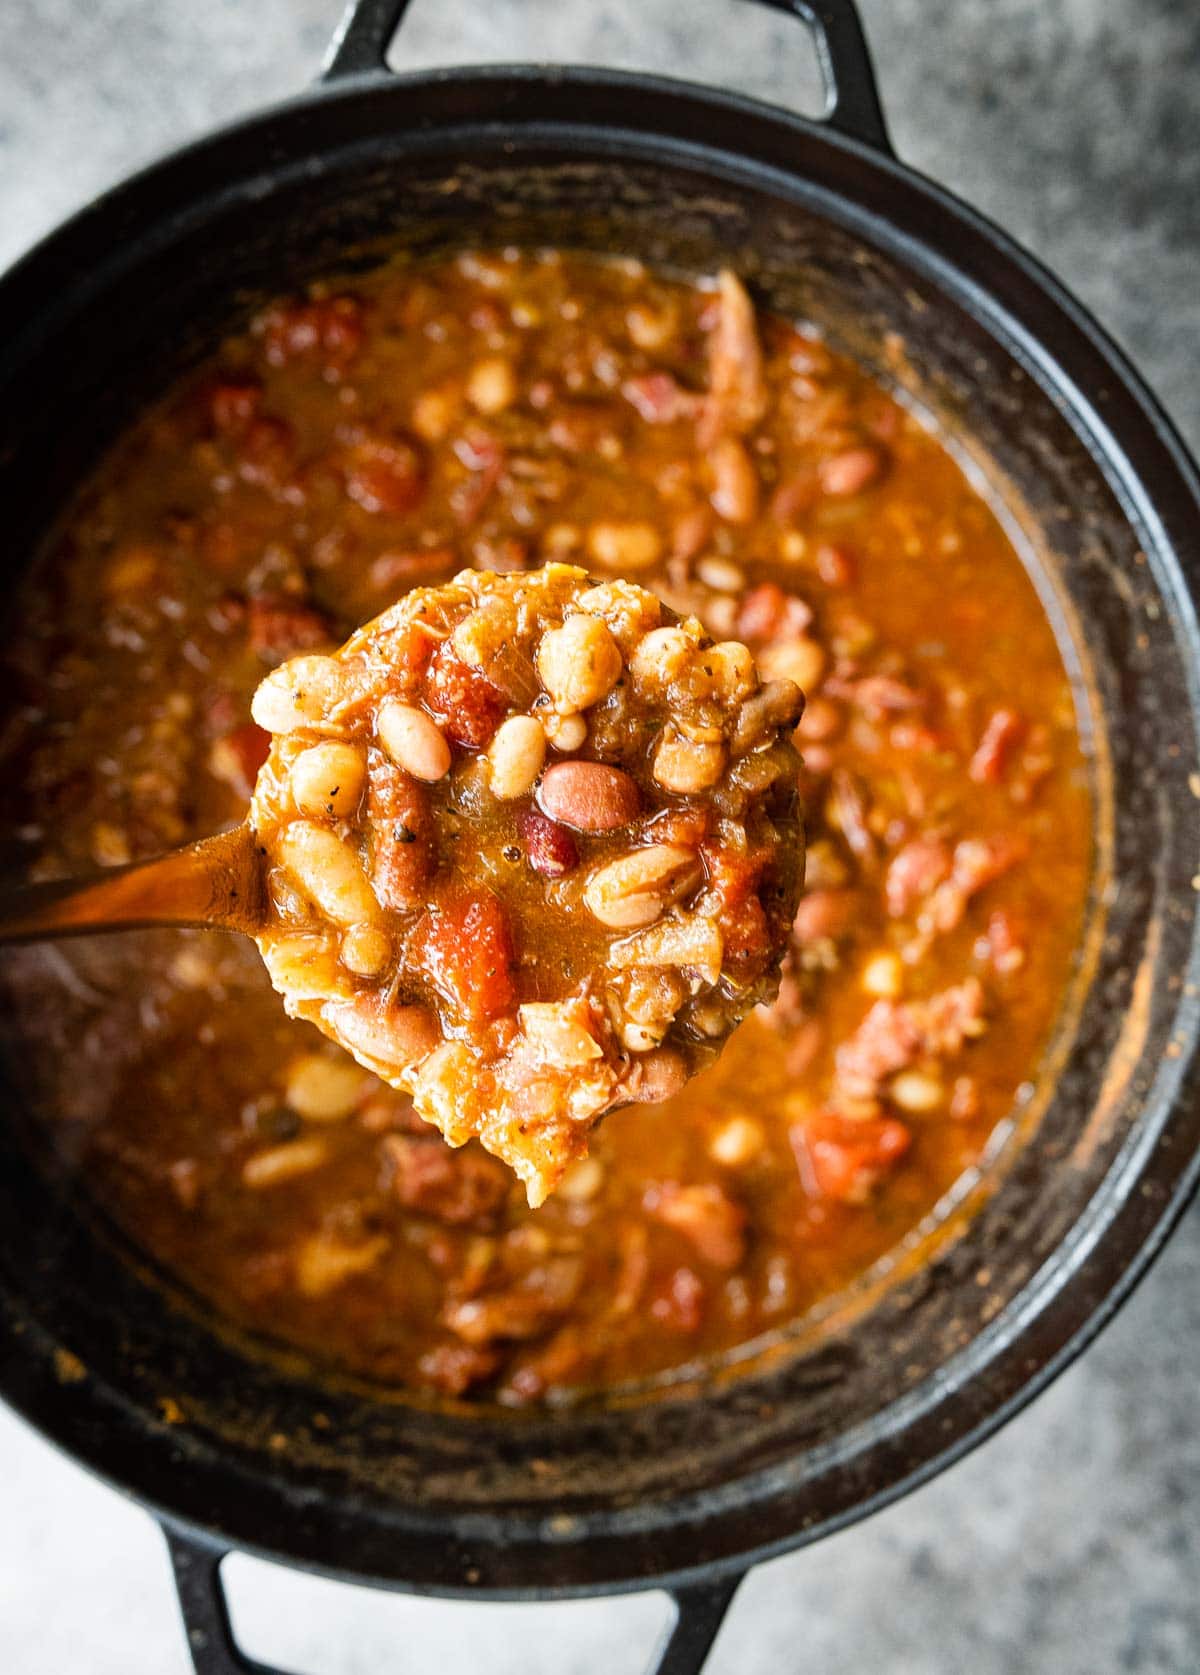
(1066, 1306)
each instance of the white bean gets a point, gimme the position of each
(721, 573)
(327, 779)
(412, 740)
(515, 756)
(686, 766)
(300, 693)
(302, 966)
(284, 1163)
(661, 657)
(565, 732)
(737, 1142)
(883, 976)
(323, 1089)
(579, 663)
(917, 1092)
(492, 385)
(365, 950)
(624, 546)
(582, 1181)
(328, 872)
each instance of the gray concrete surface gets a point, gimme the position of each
(1069, 1545)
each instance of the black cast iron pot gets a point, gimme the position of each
(679, 1488)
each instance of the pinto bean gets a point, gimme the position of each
(589, 796)
(635, 889)
(656, 1076)
(389, 1036)
(776, 704)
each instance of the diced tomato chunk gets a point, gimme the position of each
(329, 328)
(385, 476)
(1004, 730)
(237, 757)
(659, 398)
(233, 404)
(266, 449)
(845, 1159)
(453, 1367)
(768, 613)
(679, 1304)
(913, 872)
(465, 948)
(736, 878)
(279, 626)
(705, 1215)
(466, 703)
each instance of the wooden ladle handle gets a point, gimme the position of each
(218, 882)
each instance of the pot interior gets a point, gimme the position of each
(843, 1408)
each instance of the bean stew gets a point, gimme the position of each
(523, 946)
(496, 412)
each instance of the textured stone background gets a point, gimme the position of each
(1069, 1545)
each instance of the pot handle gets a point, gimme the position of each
(852, 105)
(196, 1565)
(699, 1612)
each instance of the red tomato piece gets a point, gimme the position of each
(844, 1158)
(466, 703)
(466, 950)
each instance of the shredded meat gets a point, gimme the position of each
(895, 1034)
(737, 391)
(463, 1188)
